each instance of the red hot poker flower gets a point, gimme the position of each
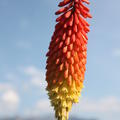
(67, 56)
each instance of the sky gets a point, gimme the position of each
(26, 27)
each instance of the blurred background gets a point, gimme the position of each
(26, 27)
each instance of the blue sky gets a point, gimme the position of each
(26, 27)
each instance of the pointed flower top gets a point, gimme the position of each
(67, 55)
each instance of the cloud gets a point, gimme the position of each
(108, 104)
(9, 100)
(116, 52)
(41, 105)
(10, 97)
(33, 78)
(4, 87)
(37, 76)
(107, 108)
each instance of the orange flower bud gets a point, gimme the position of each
(66, 58)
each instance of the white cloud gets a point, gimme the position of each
(34, 75)
(9, 100)
(31, 70)
(116, 52)
(30, 77)
(42, 105)
(108, 104)
(95, 108)
(107, 108)
(10, 97)
(4, 87)
(37, 76)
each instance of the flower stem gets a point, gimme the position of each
(64, 114)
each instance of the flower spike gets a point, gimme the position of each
(66, 58)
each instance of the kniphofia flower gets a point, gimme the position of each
(66, 58)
